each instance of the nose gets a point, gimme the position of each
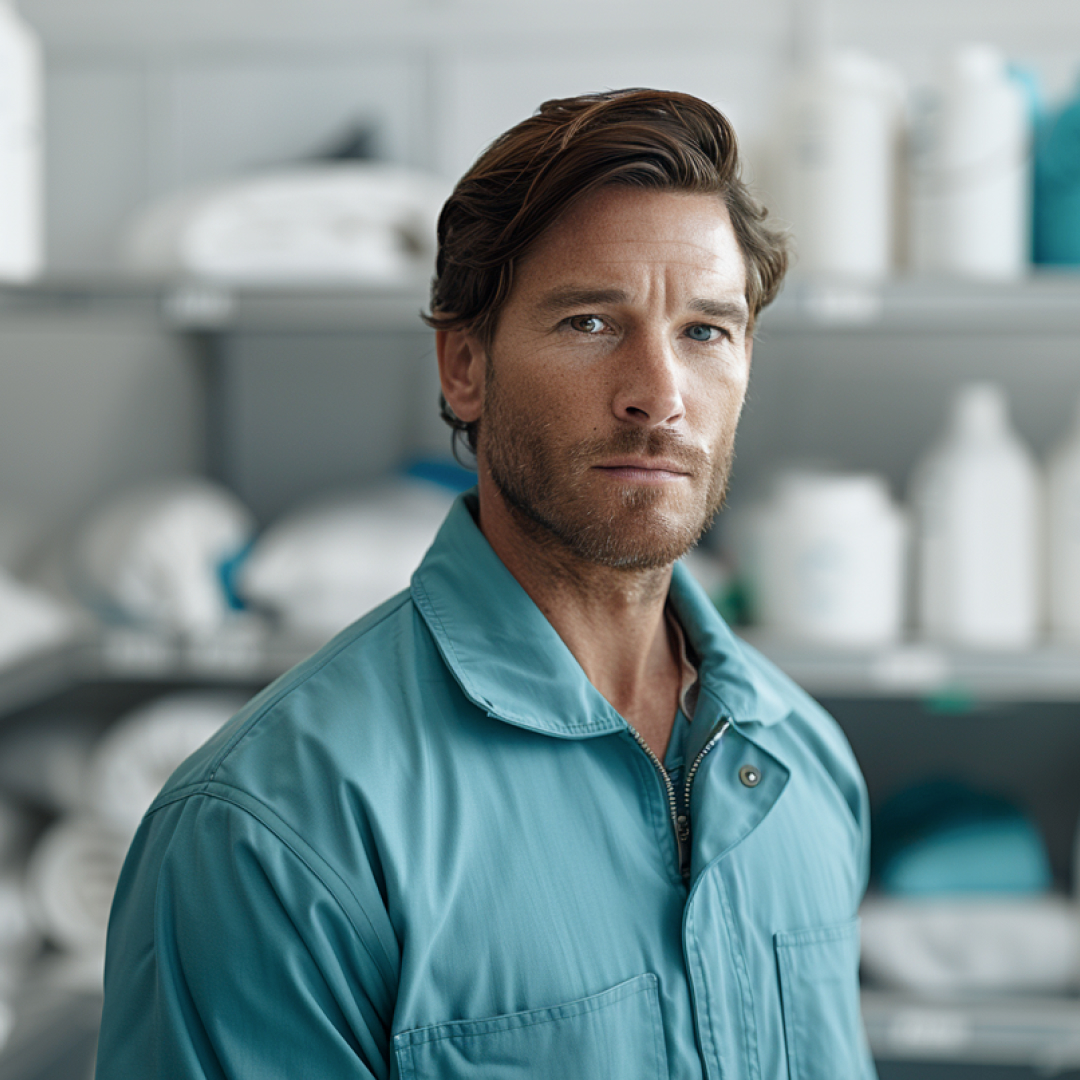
(648, 391)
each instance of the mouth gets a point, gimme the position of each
(644, 470)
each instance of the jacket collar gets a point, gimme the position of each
(509, 660)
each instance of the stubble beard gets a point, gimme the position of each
(628, 527)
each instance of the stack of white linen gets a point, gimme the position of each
(342, 223)
(111, 781)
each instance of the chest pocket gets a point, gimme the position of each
(819, 988)
(614, 1035)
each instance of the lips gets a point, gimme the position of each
(646, 465)
(637, 452)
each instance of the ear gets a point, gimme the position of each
(462, 366)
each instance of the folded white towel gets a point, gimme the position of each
(324, 566)
(954, 945)
(155, 554)
(336, 222)
(131, 762)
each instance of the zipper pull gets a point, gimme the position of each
(683, 820)
(682, 833)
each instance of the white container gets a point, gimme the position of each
(21, 202)
(976, 502)
(831, 561)
(836, 161)
(1063, 536)
(970, 182)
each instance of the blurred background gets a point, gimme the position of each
(219, 439)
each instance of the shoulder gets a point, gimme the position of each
(328, 715)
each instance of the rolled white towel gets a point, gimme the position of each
(44, 763)
(960, 944)
(71, 878)
(16, 829)
(130, 763)
(325, 565)
(156, 554)
(17, 930)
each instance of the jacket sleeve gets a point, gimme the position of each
(235, 952)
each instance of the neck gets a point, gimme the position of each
(611, 619)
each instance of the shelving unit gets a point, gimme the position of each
(811, 321)
(1042, 1032)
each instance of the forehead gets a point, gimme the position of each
(624, 231)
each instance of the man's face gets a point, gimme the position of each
(616, 376)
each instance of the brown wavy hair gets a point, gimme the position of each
(527, 178)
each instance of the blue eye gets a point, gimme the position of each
(701, 332)
(587, 324)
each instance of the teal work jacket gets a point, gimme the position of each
(434, 850)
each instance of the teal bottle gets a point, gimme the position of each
(1056, 232)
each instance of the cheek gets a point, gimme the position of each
(722, 403)
(552, 391)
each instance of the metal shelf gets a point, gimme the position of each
(1037, 1032)
(248, 652)
(1046, 301)
(1048, 673)
(205, 307)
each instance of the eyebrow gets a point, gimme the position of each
(723, 310)
(560, 300)
(564, 299)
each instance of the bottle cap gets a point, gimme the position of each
(980, 409)
(978, 63)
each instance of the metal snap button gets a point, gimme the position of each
(750, 776)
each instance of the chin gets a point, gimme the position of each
(638, 535)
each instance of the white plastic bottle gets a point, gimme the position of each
(970, 184)
(977, 506)
(831, 560)
(1063, 536)
(835, 163)
(21, 202)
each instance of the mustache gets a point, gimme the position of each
(645, 443)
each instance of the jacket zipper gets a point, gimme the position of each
(681, 822)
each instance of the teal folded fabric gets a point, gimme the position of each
(944, 838)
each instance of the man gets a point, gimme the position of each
(542, 815)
